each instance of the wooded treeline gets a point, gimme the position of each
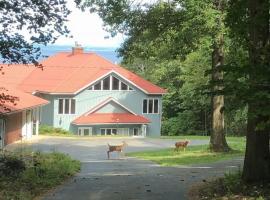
(213, 56)
(171, 43)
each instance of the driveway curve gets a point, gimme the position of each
(125, 178)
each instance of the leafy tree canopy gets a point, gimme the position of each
(42, 20)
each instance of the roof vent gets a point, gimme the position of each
(78, 49)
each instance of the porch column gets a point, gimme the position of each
(37, 120)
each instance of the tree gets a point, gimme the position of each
(43, 21)
(217, 140)
(257, 158)
(249, 24)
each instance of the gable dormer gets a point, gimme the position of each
(110, 105)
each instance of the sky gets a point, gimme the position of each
(87, 30)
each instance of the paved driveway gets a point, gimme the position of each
(125, 178)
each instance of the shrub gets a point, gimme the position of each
(49, 130)
(37, 174)
(11, 166)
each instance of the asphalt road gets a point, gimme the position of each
(124, 178)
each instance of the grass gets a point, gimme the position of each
(230, 187)
(193, 155)
(26, 176)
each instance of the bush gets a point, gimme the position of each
(49, 130)
(233, 187)
(11, 166)
(38, 172)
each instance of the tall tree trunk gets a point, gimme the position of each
(257, 157)
(217, 140)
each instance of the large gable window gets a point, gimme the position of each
(66, 106)
(115, 83)
(106, 83)
(150, 106)
(111, 83)
(124, 86)
(97, 86)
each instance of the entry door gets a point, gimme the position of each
(135, 132)
(27, 125)
(2, 131)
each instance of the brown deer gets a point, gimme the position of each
(181, 144)
(118, 148)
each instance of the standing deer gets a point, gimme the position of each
(118, 148)
(181, 144)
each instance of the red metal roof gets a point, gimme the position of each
(13, 75)
(24, 101)
(110, 118)
(69, 73)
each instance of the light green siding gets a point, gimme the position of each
(88, 99)
(47, 111)
(111, 107)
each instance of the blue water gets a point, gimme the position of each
(107, 52)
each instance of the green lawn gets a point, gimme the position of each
(193, 155)
(24, 176)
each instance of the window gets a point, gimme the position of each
(115, 83)
(108, 131)
(150, 106)
(124, 86)
(145, 106)
(97, 86)
(106, 83)
(155, 105)
(110, 83)
(60, 106)
(66, 106)
(114, 131)
(72, 106)
(103, 131)
(85, 131)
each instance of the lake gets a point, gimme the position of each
(106, 52)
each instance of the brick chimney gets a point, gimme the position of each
(78, 49)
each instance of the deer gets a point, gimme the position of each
(118, 148)
(181, 144)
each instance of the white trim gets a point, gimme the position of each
(106, 102)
